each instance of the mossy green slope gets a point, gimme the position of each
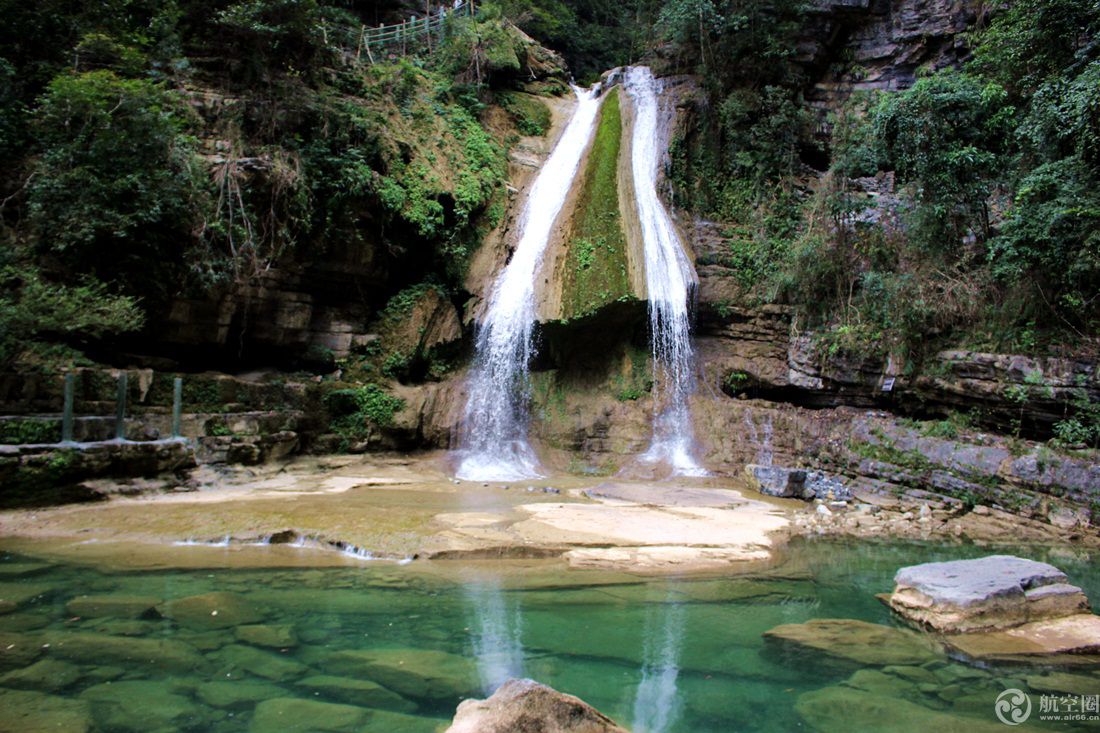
(596, 268)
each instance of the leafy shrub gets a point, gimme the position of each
(114, 191)
(355, 411)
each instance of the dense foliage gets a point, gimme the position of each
(992, 238)
(159, 149)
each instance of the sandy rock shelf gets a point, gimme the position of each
(642, 528)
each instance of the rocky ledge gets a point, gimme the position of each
(525, 706)
(1000, 608)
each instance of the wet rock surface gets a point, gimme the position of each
(525, 706)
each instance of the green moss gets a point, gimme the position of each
(597, 273)
(530, 113)
(16, 432)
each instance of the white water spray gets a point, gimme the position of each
(494, 427)
(670, 282)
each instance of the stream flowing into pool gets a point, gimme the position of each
(389, 649)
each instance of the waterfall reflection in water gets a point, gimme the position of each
(497, 637)
(656, 703)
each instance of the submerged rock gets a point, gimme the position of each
(525, 706)
(797, 483)
(990, 593)
(15, 595)
(293, 715)
(843, 708)
(34, 712)
(237, 658)
(141, 706)
(277, 637)
(217, 610)
(18, 650)
(115, 606)
(237, 694)
(356, 692)
(420, 674)
(160, 654)
(856, 641)
(45, 674)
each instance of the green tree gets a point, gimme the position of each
(114, 193)
(947, 136)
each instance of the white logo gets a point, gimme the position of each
(1012, 707)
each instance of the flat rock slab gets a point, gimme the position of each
(1070, 640)
(857, 642)
(647, 528)
(986, 594)
(667, 496)
(526, 705)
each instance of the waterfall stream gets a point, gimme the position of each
(494, 427)
(670, 284)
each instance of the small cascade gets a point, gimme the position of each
(670, 283)
(493, 437)
(656, 703)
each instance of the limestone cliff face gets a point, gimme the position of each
(881, 44)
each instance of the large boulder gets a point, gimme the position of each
(525, 706)
(986, 594)
(855, 642)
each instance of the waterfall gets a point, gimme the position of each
(493, 438)
(670, 283)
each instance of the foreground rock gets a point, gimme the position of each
(987, 594)
(856, 642)
(525, 706)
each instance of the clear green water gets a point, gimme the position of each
(676, 656)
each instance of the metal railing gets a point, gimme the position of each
(412, 32)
